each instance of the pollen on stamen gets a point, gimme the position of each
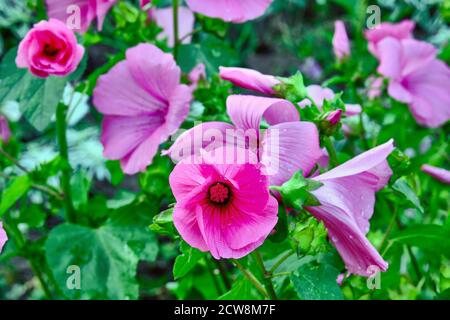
(219, 193)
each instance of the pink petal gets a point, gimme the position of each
(318, 95)
(416, 55)
(58, 9)
(103, 6)
(399, 31)
(438, 173)
(185, 222)
(5, 131)
(391, 58)
(3, 237)
(236, 11)
(341, 43)
(250, 79)
(397, 91)
(352, 109)
(288, 148)
(247, 112)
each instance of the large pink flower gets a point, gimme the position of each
(143, 104)
(50, 48)
(417, 78)
(67, 10)
(341, 43)
(237, 11)
(347, 200)
(440, 174)
(287, 146)
(3, 237)
(224, 208)
(5, 132)
(250, 79)
(399, 31)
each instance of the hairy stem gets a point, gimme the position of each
(267, 276)
(251, 278)
(281, 260)
(331, 152)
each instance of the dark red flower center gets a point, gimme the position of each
(219, 193)
(50, 51)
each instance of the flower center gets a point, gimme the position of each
(219, 193)
(50, 51)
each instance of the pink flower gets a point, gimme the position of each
(417, 78)
(341, 43)
(319, 95)
(199, 72)
(334, 117)
(222, 208)
(438, 173)
(67, 10)
(50, 48)
(250, 79)
(375, 86)
(347, 200)
(287, 146)
(399, 31)
(164, 18)
(5, 132)
(237, 11)
(143, 103)
(3, 237)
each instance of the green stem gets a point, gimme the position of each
(251, 278)
(282, 259)
(20, 241)
(214, 277)
(61, 127)
(223, 274)
(175, 29)
(266, 275)
(281, 274)
(331, 152)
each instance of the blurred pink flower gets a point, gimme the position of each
(164, 18)
(5, 132)
(287, 146)
(417, 78)
(199, 72)
(237, 11)
(223, 208)
(89, 10)
(49, 48)
(341, 43)
(375, 86)
(250, 79)
(438, 173)
(143, 103)
(4, 236)
(399, 31)
(347, 200)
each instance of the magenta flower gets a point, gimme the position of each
(67, 10)
(334, 117)
(49, 48)
(417, 78)
(287, 146)
(341, 43)
(3, 237)
(347, 200)
(5, 131)
(319, 95)
(224, 208)
(399, 31)
(437, 173)
(237, 11)
(250, 79)
(143, 103)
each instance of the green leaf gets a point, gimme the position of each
(37, 97)
(317, 282)
(240, 290)
(107, 265)
(80, 185)
(163, 223)
(186, 261)
(431, 238)
(401, 186)
(18, 188)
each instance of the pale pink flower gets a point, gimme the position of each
(164, 18)
(250, 79)
(49, 48)
(417, 78)
(347, 200)
(199, 72)
(5, 131)
(399, 31)
(237, 11)
(440, 174)
(341, 43)
(65, 11)
(223, 208)
(375, 86)
(143, 103)
(287, 146)
(319, 95)
(3, 237)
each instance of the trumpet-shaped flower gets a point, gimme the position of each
(223, 208)
(287, 146)
(399, 31)
(237, 11)
(143, 103)
(347, 199)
